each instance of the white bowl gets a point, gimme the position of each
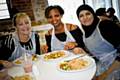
(90, 64)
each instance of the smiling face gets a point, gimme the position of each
(86, 17)
(54, 17)
(23, 25)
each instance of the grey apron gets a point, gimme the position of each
(57, 44)
(100, 48)
(19, 50)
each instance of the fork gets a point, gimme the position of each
(77, 57)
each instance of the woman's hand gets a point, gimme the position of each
(78, 50)
(6, 64)
(70, 45)
(44, 48)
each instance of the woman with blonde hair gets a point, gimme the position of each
(23, 40)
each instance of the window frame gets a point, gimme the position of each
(8, 8)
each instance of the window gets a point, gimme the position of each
(4, 13)
(95, 4)
(70, 7)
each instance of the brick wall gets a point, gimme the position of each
(23, 6)
(39, 8)
(34, 8)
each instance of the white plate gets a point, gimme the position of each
(18, 71)
(67, 53)
(90, 61)
(19, 61)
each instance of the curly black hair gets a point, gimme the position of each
(49, 8)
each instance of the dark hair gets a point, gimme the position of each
(101, 12)
(111, 10)
(49, 8)
(84, 7)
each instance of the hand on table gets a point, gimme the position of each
(6, 63)
(70, 45)
(78, 50)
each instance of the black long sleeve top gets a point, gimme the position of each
(77, 35)
(111, 32)
(7, 51)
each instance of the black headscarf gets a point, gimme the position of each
(88, 29)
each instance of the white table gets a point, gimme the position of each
(49, 71)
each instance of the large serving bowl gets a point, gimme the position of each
(75, 64)
(83, 67)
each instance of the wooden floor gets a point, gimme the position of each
(115, 66)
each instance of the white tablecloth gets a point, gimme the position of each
(44, 70)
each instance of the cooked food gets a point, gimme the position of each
(24, 77)
(18, 62)
(54, 55)
(75, 64)
(34, 57)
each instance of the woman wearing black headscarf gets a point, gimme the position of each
(100, 37)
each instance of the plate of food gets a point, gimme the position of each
(35, 57)
(19, 61)
(55, 55)
(23, 77)
(75, 64)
